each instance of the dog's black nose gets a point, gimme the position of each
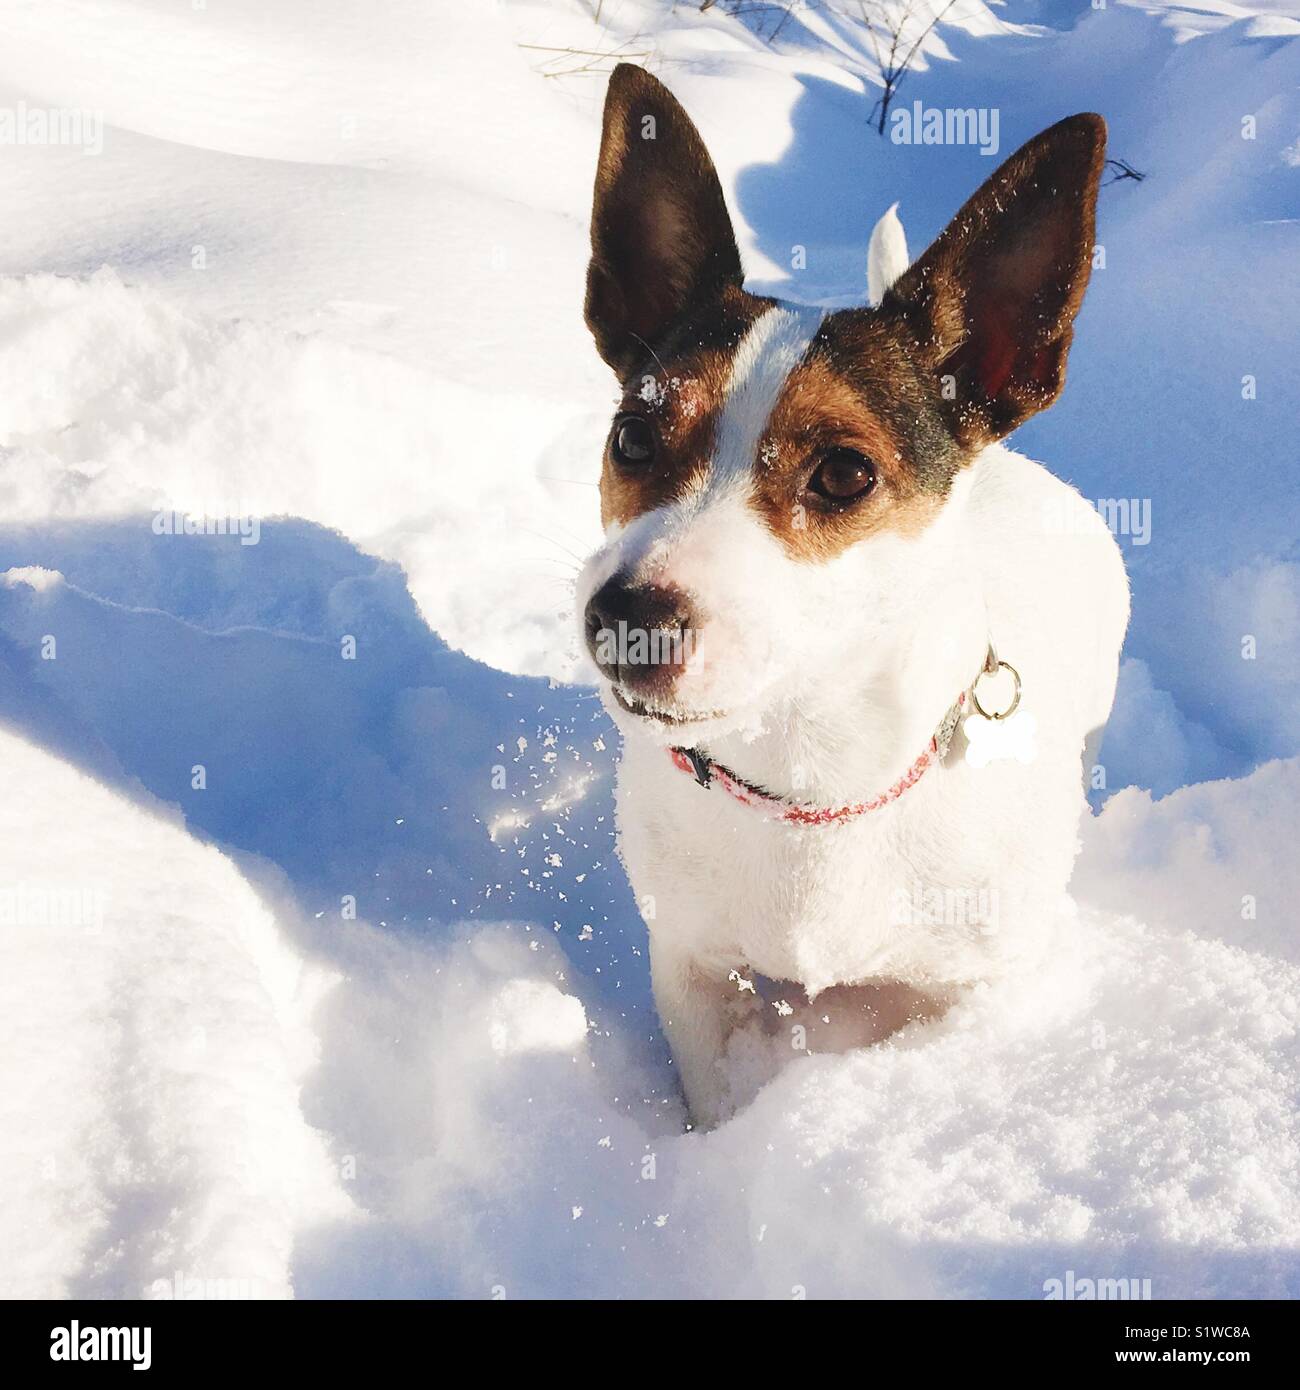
(640, 637)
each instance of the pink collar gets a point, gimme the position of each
(706, 772)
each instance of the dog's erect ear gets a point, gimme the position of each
(992, 302)
(661, 239)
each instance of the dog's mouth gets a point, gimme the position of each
(659, 715)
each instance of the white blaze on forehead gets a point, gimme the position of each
(773, 346)
(683, 541)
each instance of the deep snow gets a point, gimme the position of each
(326, 272)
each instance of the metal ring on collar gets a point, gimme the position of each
(1015, 699)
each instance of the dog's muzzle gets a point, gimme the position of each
(640, 636)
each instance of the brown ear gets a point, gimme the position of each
(661, 239)
(992, 302)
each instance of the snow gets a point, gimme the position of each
(534, 1016)
(366, 1013)
(1260, 18)
(156, 1030)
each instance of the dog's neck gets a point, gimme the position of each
(852, 736)
(851, 727)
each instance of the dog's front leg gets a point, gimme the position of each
(699, 1008)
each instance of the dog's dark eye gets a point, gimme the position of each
(843, 475)
(633, 441)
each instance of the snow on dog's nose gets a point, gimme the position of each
(640, 636)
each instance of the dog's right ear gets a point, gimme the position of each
(661, 239)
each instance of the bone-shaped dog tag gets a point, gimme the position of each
(993, 740)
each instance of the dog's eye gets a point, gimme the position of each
(843, 475)
(633, 441)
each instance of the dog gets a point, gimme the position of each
(822, 576)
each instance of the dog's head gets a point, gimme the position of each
(779, 482)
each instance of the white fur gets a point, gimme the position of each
(825, 681)
(769, 351)
(886, 255)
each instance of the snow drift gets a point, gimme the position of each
(363, 1008)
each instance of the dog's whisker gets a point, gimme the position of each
(580, 560)
(573, 482)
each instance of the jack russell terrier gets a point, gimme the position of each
(825, 584)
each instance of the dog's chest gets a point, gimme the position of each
(898, 893)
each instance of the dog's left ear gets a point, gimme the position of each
(661, 239)
(992, 303)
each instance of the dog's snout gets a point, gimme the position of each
(640, 635)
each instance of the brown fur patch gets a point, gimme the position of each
(857, 388)
(679, 386)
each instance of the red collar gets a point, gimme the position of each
(707, 772)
